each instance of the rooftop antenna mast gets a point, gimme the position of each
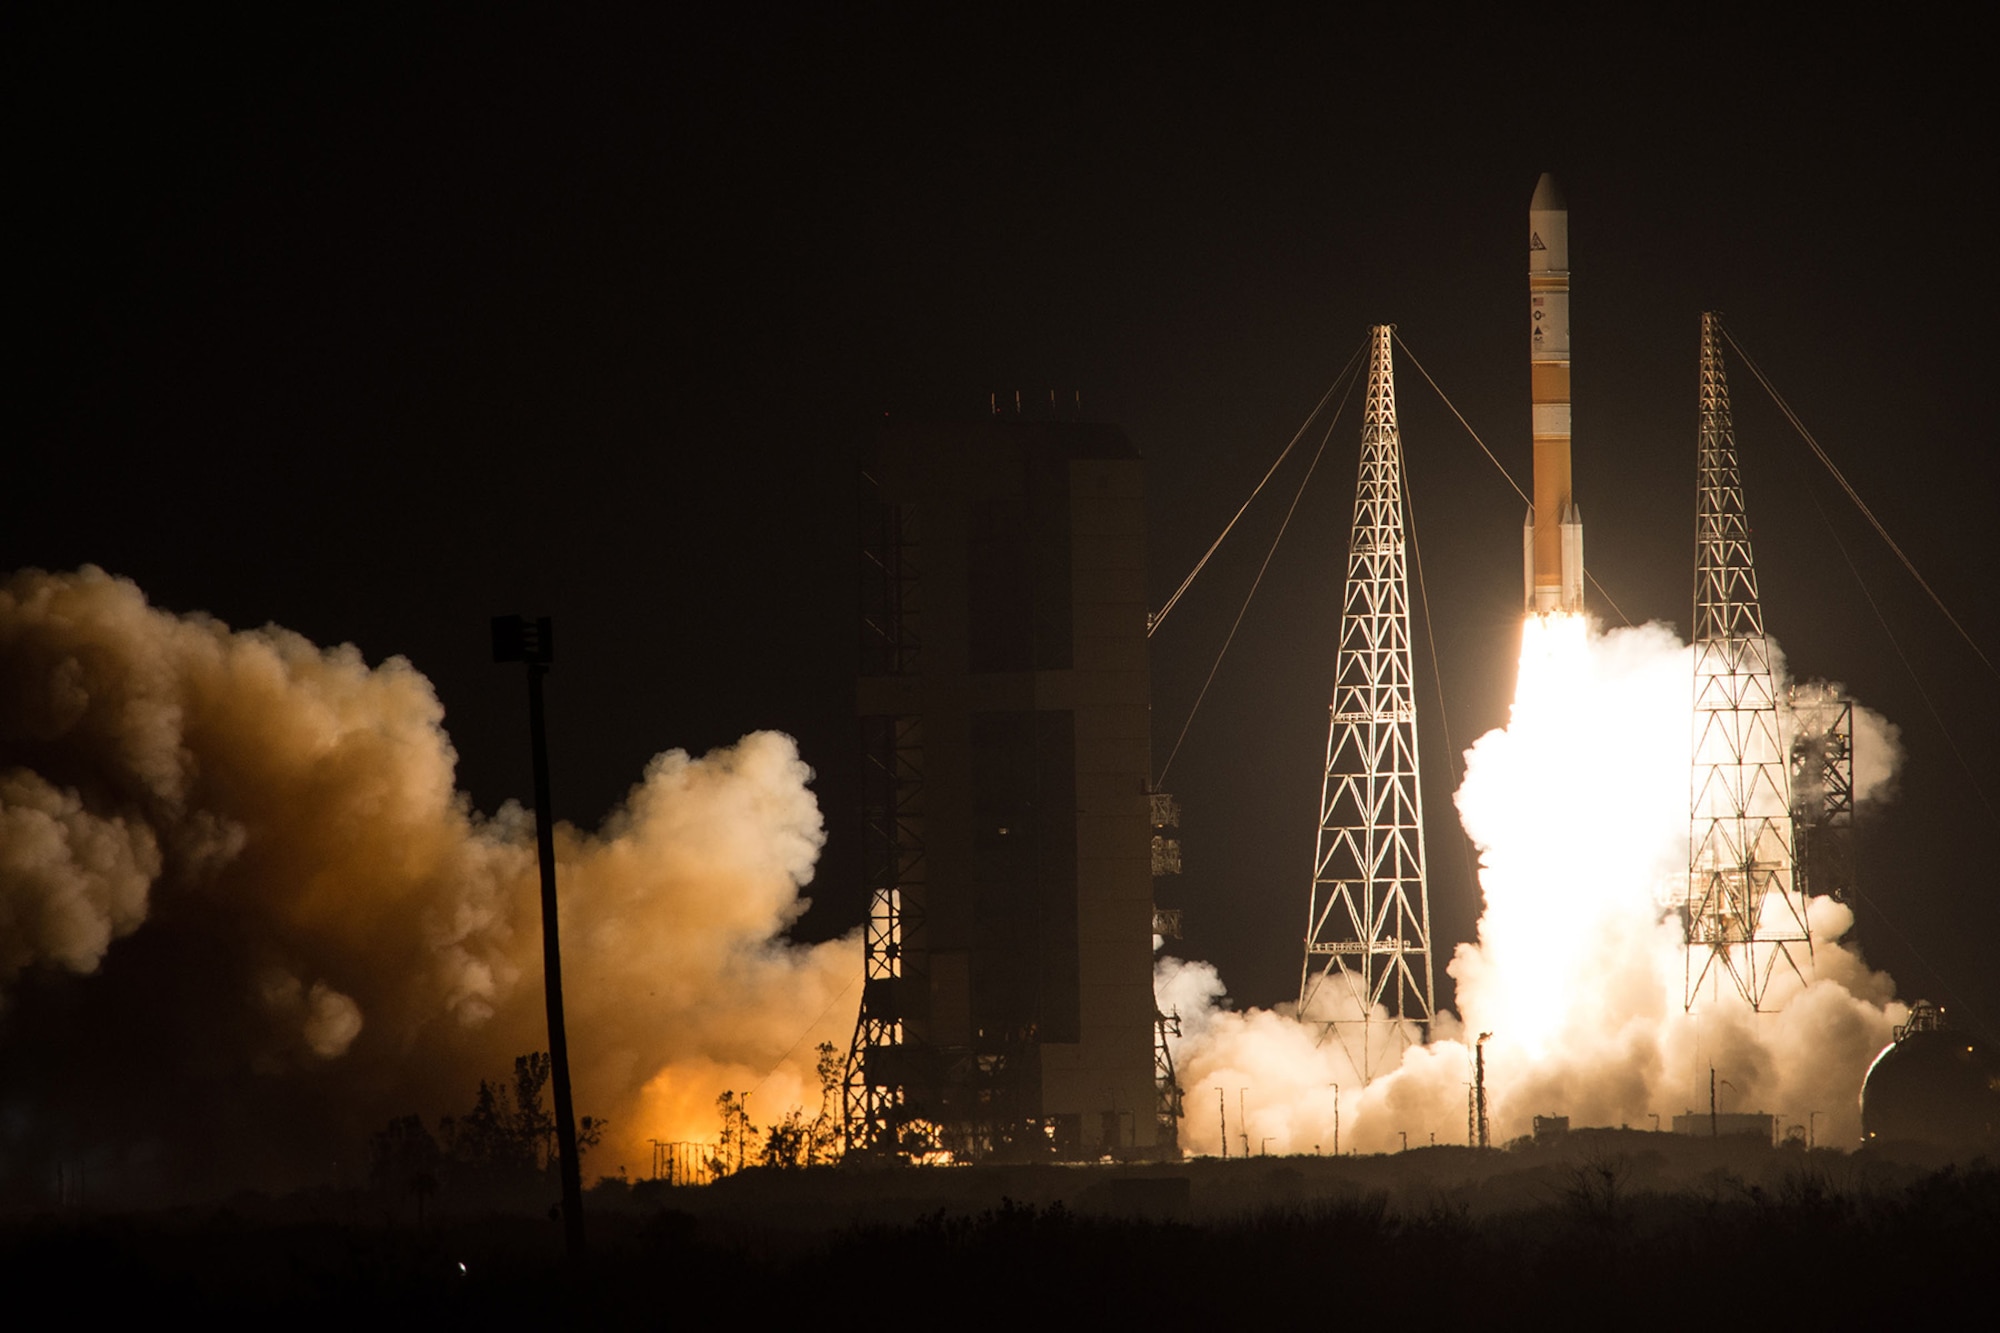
(1745, 910)
(1368, 925)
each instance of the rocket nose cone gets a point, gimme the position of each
(1548, 196)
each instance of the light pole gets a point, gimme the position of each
(532, 642)
(1336, 1120)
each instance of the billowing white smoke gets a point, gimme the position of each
(1579, 809)
(253, 852)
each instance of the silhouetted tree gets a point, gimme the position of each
(509, 1136)
(787, 1143)
(534, 1125)
(405, 1158)
(823, 1136)
(733, 1144)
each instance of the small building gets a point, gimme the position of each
(1728, 1124)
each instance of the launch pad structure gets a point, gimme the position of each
(1012, 835)
(1745, 911)
(1822, 755)
(1008, 1010)
(1368, 932)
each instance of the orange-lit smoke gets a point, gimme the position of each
(323, 932)
(1579, 809)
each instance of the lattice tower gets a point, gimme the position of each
(1744, 912)
(1368, 950)
(874, 1105)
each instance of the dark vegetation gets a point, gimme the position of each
(793, 1141)
(1586, 1238)
(501, 1152)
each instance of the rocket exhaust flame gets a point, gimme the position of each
(1579, 810)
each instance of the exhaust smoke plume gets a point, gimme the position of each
(1579, 809)
(246, 917)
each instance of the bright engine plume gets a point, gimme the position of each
(1579, 810)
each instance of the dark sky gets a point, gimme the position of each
(373, 328)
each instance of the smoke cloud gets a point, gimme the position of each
(1579, 810)
(246, 916)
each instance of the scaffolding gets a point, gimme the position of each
(1007, 1009)
(1368, 952)
(1822, 754)
(1167, 1110)
(1745, 911)
(873, 1094)
(684, 1161)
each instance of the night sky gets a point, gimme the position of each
(373, 328)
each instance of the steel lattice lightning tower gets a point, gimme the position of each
(1368, 928)
(1744, 911)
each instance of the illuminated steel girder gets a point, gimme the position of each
(1744, 911)
(1368, 933)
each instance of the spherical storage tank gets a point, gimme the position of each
(1933, 1085)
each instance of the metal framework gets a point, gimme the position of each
(1744, 911)
(1368, 922)
(873, 1100)
(1822, 789)
(1167, 1109)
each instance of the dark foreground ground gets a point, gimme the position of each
(1606, 1230)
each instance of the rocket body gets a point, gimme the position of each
(1552, 541)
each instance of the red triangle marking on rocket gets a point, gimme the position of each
(1535, 241)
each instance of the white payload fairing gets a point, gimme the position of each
(1552, 541)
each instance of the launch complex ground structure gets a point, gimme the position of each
(1007, 1010)
(1368, 934)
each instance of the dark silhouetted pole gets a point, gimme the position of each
(518, 639)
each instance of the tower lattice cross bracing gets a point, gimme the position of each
(1368, 952)
(1745, 913)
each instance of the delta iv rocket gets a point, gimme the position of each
(1552, 541)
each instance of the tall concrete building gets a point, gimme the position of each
(1008, 1010)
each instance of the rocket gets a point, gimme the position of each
(1552, 541)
